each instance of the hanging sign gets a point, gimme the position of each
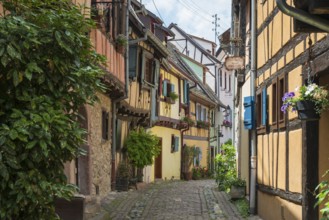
(234, 63)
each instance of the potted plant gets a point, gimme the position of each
(196, 173)
(188, 155)
(202, 124)
(227, 123)
(188, 120)
(238, 188)
(171, 98)
(122, 177)
(312, 100)
(121, 42)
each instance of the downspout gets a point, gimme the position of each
(253, 72)
(303, 16)
(181, 144)
(116, 101)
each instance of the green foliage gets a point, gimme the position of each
(189, 152)
(142, 147)
(173, 96)
(121, 40)
(226, 166)
(323, 197)
(123, 170)
(237, 182)
(188, 120)
(48, 71)
(242, 206)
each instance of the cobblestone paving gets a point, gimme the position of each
(190, 200)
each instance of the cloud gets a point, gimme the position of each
(192, 16)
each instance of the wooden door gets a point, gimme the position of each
(158, 164)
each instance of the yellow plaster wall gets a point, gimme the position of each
(323, 139)
(277, 33)
(280, 146)
(294, 81)
(278, 208)
(203, 145)
(167, 109)
(171, 162)
(299, 48)
(295, 161)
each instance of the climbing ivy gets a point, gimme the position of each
(142, 147)
(48, 70)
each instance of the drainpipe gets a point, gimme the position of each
(116, 101)
(181, 144)
(303, 16)
(253, 72)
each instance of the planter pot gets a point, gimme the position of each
(169, 100)
(306, 111)
(122, 184)
(237, 192)
(187, 176)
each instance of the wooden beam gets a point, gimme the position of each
(296, 198)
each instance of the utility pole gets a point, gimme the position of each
(216, 25)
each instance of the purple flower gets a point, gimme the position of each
(284, 108)
(288, 95)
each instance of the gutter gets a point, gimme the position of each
(303, 16)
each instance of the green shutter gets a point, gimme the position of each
(176, 144)
(164, 87)
(156, 72)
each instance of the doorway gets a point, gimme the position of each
(158, 164)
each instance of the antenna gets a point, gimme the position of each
(216, 25)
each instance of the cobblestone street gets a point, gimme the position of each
(170, 200)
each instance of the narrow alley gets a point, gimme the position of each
(199, 200)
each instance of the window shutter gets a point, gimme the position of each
(172, 143)
(248, 121)
(132, 62)
(185, 91)
(160, 85)
(264, 106)
(156, 71)
(142, 73)
(164, 90)
(176, 144)
(188, 93)
(118, 134)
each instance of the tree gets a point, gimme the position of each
(142, 147)
(48, 70)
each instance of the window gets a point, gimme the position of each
(186, 91)
(174, 143)
(148, 70)
(225, 81)
(167, 88)
(105, 125)
(262, 108)
(133, 61)
(280, 95)
(198, 112)
(274, 103)
(229, 83)
(220, 78)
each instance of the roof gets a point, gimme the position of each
(176, 57)
(196, 44)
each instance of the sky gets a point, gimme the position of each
(193, 16)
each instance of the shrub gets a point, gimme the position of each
(226, 166)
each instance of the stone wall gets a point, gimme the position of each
(100, 150)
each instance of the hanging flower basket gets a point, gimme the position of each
(307, 111)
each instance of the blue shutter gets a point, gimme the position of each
(264, 106)
(164, 88)
(248, 121)
(132, 62)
